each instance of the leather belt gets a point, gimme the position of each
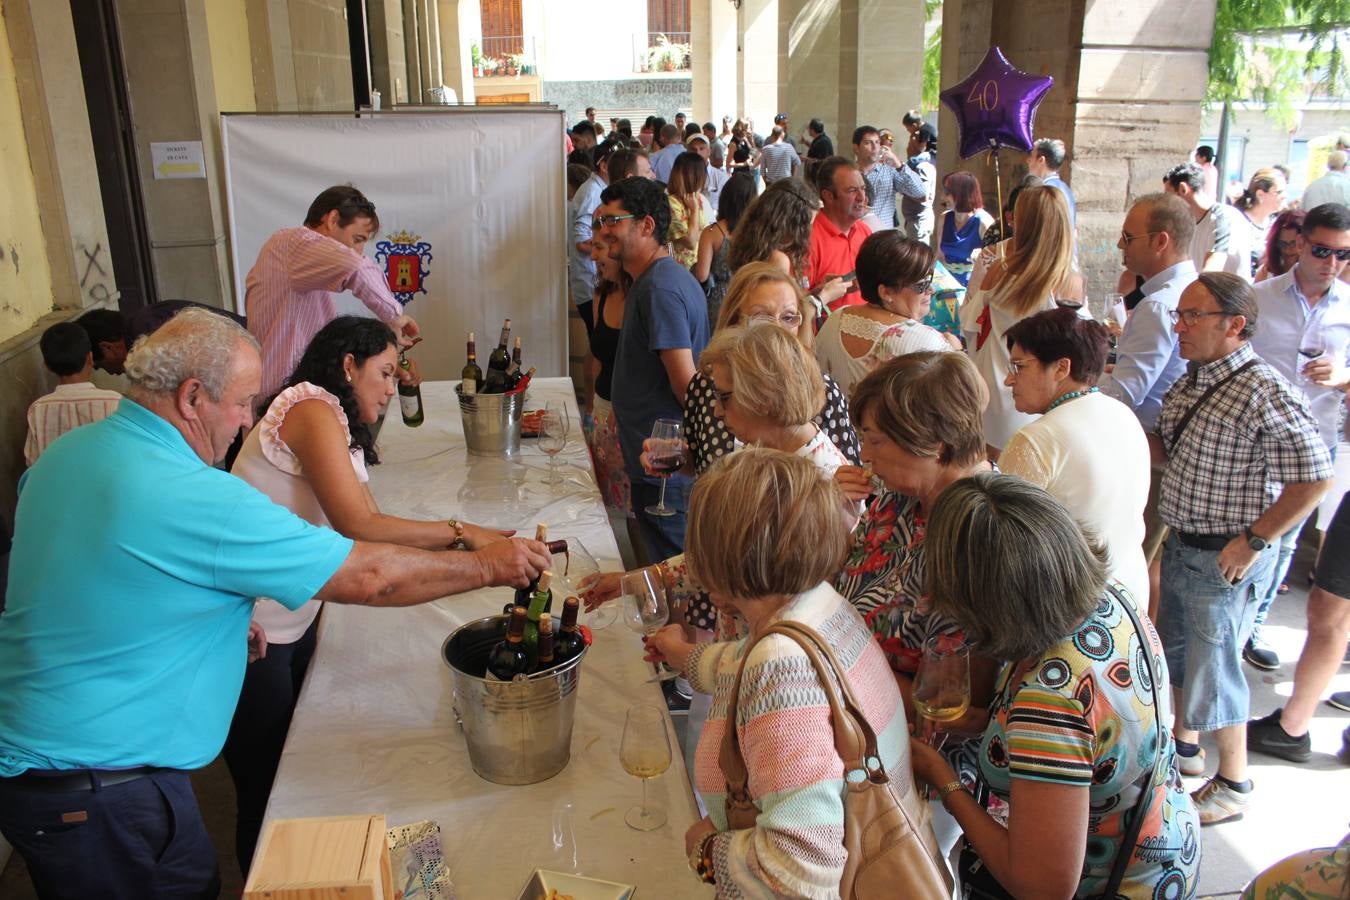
(65, 781)
(1204, 541)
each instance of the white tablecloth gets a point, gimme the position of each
(374, 732)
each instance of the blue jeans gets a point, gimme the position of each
(139, 840)
(1287, 545)
(1204, 621)
(662, 536)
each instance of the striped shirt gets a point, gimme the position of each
(1251, 436)
(66, 408)
(289, 295)
(778, 160)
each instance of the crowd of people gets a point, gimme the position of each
(1099, 513)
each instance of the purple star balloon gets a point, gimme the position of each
(995, 105)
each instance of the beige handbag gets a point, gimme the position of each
(892, 851)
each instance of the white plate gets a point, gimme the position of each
(578, 887)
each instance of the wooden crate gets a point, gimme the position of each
(329, 858)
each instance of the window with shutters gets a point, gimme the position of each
(669, 18)
(503, 31)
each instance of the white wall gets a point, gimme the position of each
(584, 40)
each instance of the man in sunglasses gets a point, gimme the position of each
(1305, 336)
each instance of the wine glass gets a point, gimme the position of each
(553, 437)
(942, 684)
(665, 455)
(1310, 348)
(579, 570)
(644, 752)
(1107, 310)
(645, 610)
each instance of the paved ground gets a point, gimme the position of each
(1295, 807)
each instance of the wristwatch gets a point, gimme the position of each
(1255, 541)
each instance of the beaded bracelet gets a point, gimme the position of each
(458, 543)
(700, 860)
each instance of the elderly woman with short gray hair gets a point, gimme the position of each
(1079, 714)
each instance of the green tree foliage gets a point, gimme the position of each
(932, 58)
(1278, 52)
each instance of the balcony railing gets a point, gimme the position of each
(506, 55)
(657, 51)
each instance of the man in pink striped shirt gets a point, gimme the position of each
(289, 291)
(67, 352)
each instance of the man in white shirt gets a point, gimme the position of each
(717, 178)
(1218, 244)
(1307, 309)
(1333, 187)
(67, 353)
(1155, 244)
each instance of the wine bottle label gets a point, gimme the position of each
(469, 387)
(410, 406)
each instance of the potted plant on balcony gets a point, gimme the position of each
(515, 63)
(476, 58)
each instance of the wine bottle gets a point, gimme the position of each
(544, 658)
(524, 381)
(409, 397)
(508, 658)
(471, 377)
(498, 362)
(513, 370)
(538, 604)
(526, 594)
(569, 643)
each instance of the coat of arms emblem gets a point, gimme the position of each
(407, 264)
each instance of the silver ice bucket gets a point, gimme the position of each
(518, 732)
(491, 422)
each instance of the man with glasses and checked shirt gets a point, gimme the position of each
(1305, 336)
(1244, 463)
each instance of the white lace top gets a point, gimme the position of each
(888, 342)
(267, 463)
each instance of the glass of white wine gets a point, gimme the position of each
(643, 593)
(644, 752)
(942, 684)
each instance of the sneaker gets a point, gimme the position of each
(1340, 700)
(1268, 736)
(1192, 765)
(1260, 657)
(1216, 802)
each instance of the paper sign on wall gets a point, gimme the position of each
(177, 159)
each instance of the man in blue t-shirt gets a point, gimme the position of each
(123, 639)
(665, 328)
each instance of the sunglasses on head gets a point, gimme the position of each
(1320, 252)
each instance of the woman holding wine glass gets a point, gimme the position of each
(310, 452)
(1079, 716)
(764, 536)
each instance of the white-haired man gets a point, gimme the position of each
(135, 614)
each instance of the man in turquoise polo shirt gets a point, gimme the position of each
(123, 641)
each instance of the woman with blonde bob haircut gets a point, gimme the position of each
(763, 539)
(1032, 272)
(760, 292)
(1075, 726)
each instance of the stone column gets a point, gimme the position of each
(458, 31)
(713, 49)
(172, 90)
(1129, 79)
(759, 62)
(889, 61)
(388, 58)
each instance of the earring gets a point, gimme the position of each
(349, 378)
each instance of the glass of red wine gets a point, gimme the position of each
(1310, 349)
(665, 456)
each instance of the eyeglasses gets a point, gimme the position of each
(1191, 316)
(1016, 367)
(721, 396)
(1126, 237)
(790, 319)
(1321, 252)
(923, 287)
(611, 221)
(1286, 245)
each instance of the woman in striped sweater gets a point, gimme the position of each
(765, 537)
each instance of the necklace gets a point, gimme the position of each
(1071, 395)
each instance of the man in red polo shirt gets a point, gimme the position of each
(838, 230)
